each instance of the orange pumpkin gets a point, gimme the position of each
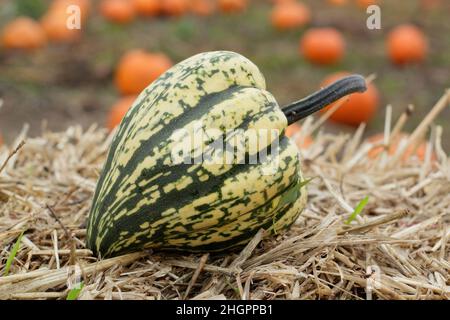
(282, 1)
(117, 11)
(365, 3)
(293, 132)
(63, 5)
(290, 15)
(118, 111)
(358, 107)
(23, 33)
(323, 46)
(406, 44)
(147, 7)
(202, 7)
(431, 4)
(420, 151)
(54, 23)
(175, 7)
(232, 6)
(338, 2)
(1, 140)
(137, 69)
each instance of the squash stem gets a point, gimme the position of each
(322, 98)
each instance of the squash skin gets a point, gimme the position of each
(142, 201)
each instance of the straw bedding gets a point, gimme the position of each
(396, 248)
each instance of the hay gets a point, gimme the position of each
(397, 248)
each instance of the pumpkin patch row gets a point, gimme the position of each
(405, 44)
(29, 34)
(137, 69)
(124, 11)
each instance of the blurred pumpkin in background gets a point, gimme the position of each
(431, 4)
(23, 33)
(365, 3)
(323, 46)
(147, 7)
(232, 6)
(338, 2)
(202, 7)
(282, 1)
(137, 69)
(407, 44)
(63, 5)
(294, 132)
(117, 11)
(175, 7)
(118, 111)
(54, 23)
(358, 107)
(290, 15)
(420, 151)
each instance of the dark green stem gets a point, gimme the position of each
(322, 98)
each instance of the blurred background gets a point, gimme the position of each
(56, 77)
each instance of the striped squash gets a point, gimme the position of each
(143, 200)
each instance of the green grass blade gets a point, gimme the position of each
(358, 210)
(292, 194)
(12, 254)
(75, 292)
